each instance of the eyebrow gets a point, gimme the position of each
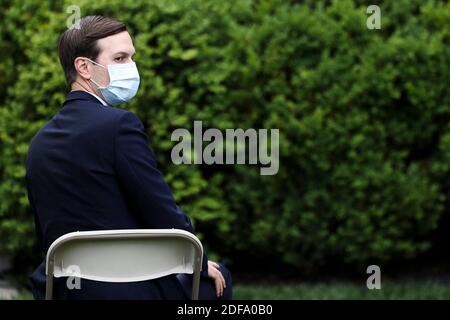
(124, 53)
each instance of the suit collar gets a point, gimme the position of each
(81, 95)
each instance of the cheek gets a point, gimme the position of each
(103, 77)
(106, 75)
(102, 73)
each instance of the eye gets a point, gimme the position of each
(118, 59)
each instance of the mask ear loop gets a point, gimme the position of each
(98, 86)
(95, 82)
(91, 61)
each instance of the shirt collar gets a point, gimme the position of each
(99, 99)
(81, 95)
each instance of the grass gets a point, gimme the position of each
(344, 291)
(333, 291)
(24, 295)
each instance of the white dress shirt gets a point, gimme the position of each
(99, 99)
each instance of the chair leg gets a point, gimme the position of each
(49, 287)
(195, 285)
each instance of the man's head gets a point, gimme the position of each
(103, 40)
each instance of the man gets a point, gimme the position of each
(90, 167)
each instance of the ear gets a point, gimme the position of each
(81, 66)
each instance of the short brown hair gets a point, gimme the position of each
(82, 41)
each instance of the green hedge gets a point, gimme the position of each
(363, 118)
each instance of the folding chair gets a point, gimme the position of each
(124, 256)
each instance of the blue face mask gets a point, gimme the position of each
(123, 85)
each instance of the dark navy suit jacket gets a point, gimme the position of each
(90, 168)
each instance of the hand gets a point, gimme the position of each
(216, 275)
